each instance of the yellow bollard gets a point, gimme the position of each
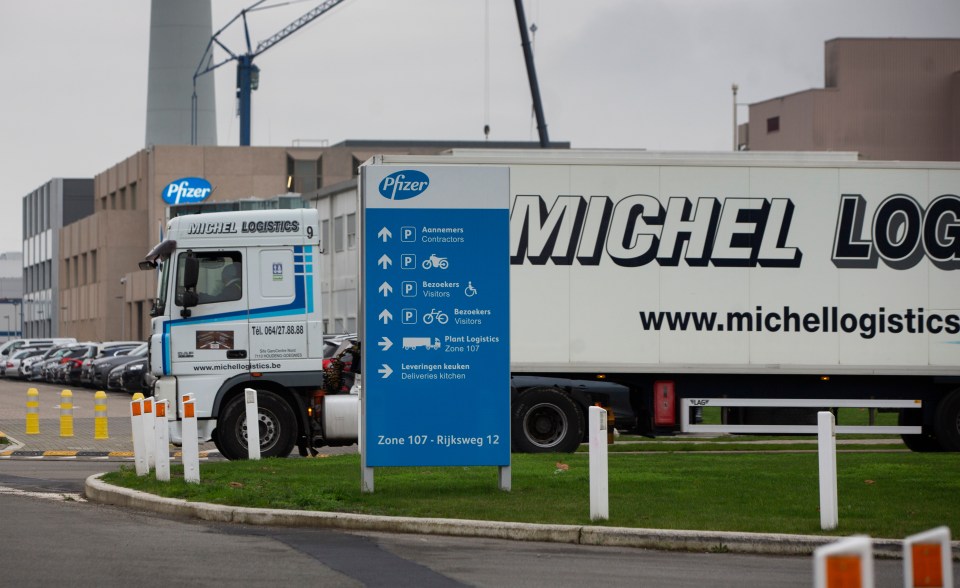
(66, 413)
(33, 411)
(137, 396)
(100, 429)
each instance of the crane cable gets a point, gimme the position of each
(486, 70)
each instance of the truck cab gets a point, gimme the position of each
(238, 306)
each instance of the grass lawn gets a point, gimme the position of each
(888, 495)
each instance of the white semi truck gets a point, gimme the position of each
(638, 280)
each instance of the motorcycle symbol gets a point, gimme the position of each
(439, 316)
(434, 261)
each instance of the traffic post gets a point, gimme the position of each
(253, 424)
(148, 423)
(927, 559)
(136, 427)
(162, 441)
(33, 412)
(827, 450)
(599, 466)
(100, 426)
(190, 450)
(847, 563)
(66, 413)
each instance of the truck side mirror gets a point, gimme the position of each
(187, 296)
(191, 272)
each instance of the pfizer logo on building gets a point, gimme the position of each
(187, 191)
(403, 185)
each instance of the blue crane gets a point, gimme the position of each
(248, 74)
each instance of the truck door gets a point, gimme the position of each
(280, 303)
(213, 340)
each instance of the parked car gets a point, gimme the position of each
(133, 377)
(10, 346)
(115, 378)
(38, 367)
(67, 370)
(11, 367)
(97, 371)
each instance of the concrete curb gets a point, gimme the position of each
(710, 541)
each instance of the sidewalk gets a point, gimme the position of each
(49, 443)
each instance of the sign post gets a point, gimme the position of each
(435, 302)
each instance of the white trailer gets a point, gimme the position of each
(742, 275)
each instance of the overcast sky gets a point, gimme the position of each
(653, 74)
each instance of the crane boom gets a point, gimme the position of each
(295, 25)
(247, 72)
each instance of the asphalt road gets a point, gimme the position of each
(49, 534)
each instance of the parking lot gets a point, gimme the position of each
(49, 442)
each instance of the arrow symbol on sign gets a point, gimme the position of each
(385, 289)
(385, 370)
(384, 234)
(385, 316)
(384, 261)
(385, 344)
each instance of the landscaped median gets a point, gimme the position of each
(694, 501)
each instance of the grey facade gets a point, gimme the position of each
(888, 99)
(46, 210)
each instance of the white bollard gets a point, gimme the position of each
(136, 426)
(149, 437)
(827, 450)
(162, 444)
(253, 424)
(847, 563)
(927, 559)
(599, 470)
(190, 451)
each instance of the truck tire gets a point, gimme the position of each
(948, 422)
(925, 442)
(546, 420)
(277, 427)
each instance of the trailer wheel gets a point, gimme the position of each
(546, 420)
(277, 428)
(948, 422)
(926, 441)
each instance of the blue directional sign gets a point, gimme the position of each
(436, 322)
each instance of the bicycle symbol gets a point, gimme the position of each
(439, 316)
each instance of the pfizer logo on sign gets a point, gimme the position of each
(403, 185)
(187, 191)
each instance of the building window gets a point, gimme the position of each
(325, 235)
(93, 265)
(133, 196)
(773, 124)
(355, 168)
(66, 272)
(83, 264)
(338, 234)
(123, 198)
(352, 231)
(304, 175)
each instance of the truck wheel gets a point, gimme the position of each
(277, 428)
(948, 422)
(925, 442)
(546, 420)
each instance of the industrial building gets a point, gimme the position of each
(888, 99)
(102, 295)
